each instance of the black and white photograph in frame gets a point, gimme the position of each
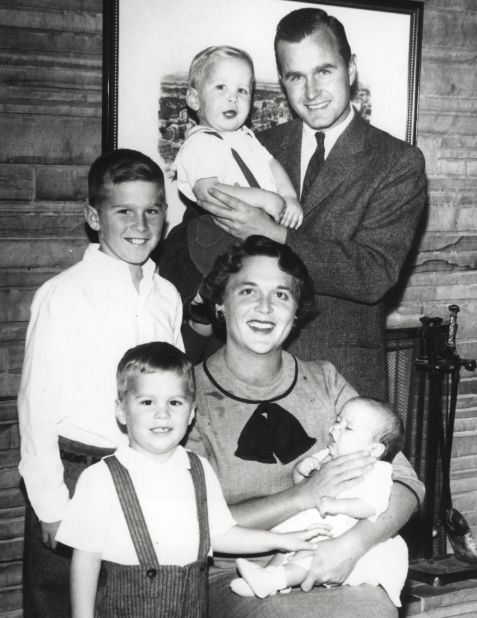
(150, 44)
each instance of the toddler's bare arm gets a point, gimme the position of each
(354, 507)
(85, 568)
(293, 215)
(253, 541)
(268, 201)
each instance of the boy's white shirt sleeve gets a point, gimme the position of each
(201, 156)
(38, 407)
(178, 342)
(85, 524)
(172, 304)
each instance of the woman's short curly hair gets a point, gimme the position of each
(214, 285)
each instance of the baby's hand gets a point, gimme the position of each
(293, 215)
(273, 205)
(325, 506)
(304, 468)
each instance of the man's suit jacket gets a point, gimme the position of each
(360, 218)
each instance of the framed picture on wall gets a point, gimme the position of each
(149, 45)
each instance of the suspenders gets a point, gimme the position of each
(249, 177)
(134, 515)
(132, 512)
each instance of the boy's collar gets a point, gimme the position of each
(135, 459)
(94, 253)
(199, 128)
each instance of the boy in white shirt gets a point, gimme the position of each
(82, 320)
(151, 514)
(367, 425)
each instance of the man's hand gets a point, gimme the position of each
(48, 533)
(334, 477)
(239, 218)
(332, 562)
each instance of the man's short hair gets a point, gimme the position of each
(299, 24)
(205, 57)
(117, 166)
(152, 358)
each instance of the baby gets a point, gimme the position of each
(363, 424)
(221, 149)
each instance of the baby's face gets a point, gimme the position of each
(354, 430)
(224, 94)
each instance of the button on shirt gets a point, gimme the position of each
(95, 522)
(82, 322)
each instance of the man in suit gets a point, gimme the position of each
(361, 208)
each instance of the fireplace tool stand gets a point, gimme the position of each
(438, 374)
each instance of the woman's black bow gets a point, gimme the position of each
(272, 433)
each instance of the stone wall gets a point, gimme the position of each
(50, 123)
(50, 127)
(446, 270)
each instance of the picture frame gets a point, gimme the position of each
(148, 47)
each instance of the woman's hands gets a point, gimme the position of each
(332, 562)
(333, 477)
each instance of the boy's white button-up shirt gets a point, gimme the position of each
(82, 322)
(95, 522)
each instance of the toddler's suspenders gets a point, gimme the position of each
(134, 515)
(132, 512)
(246, 171)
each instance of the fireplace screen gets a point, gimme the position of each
(423, 379)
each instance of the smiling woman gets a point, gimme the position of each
(260, 305)
(259, 410)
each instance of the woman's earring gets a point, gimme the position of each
(219, 315)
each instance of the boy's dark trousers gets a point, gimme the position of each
(177, 265)
(46, 573)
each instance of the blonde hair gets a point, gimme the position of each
(205, 57)
(153, 357)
